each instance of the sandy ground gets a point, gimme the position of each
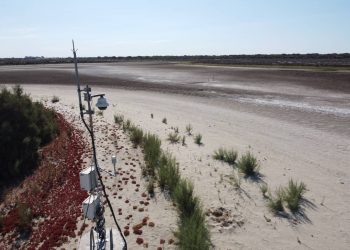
(127, 190)
(317, 156)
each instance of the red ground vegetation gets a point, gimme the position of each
(52, 194)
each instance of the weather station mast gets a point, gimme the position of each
(100, 237)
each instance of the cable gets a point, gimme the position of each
(101, 181)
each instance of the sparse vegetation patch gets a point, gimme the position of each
(225, 155)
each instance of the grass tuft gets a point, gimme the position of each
(184, 141)
(193, 233)
(184, 198)
(152, 152)
(164, 121)
(248, 164)
(126, 125)
(136, 136)
(118, 119)
(225, 155)
(189, 129)
(264, 189)
(198, 139)
(99, 112)
(150, 187)
(293, 194)
(173, 137)
(168, 173)
(235, 180)
(275, 203)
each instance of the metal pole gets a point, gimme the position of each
(77, 78)
(100, 221)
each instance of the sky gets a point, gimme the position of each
(178, 27)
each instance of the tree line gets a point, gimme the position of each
(313, 59)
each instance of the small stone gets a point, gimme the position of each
(126, 232)
(151, 224)
(162, 241)
(170, 241)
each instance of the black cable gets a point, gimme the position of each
(100, 178)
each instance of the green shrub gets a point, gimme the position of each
(136, 136)
(193, 233)
(189, 129)
(164, 120)
(185, 200)
(248, 164)
(55, 99)
(118, 119)
(168, 173)
(173, 138)
(152, 152)
(275, 203)
(198, 139)
(293, 194)
(24, 127)
(99, 113)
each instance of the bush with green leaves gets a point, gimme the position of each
(24, 127)
(225, 155)
(136, 136)
(168, 173)
(118, 119)
(173, 138)
(198, 139)
(293, 194)
(248, 164)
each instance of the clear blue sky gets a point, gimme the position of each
(178, 27)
